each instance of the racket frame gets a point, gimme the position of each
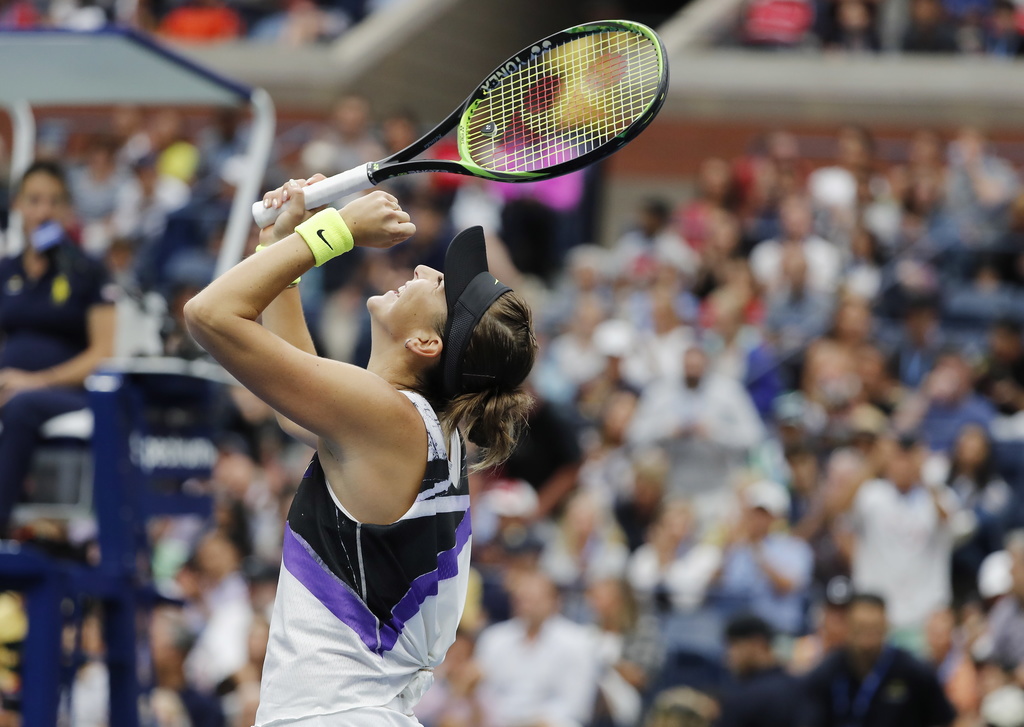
(403, 162)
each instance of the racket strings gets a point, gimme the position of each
(568, 101)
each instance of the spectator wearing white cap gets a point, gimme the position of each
(614, 343)
(764, 571)
(507, 541)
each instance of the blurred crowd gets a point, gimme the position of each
(773, 474)
(289, 22)
(977, 27)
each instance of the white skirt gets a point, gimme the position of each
(396, 714)
(362, 717)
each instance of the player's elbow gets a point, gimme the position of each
(201, 317)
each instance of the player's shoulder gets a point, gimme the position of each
(437, 447)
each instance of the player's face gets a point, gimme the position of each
(413, 307)
(41, 198)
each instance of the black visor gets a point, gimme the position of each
(469, 290)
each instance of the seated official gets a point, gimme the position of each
(57, 322)
(872, 684)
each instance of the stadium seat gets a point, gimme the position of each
(134, 426)
(972, 307)
(61, 473)
(690, 669)
(1008, 456)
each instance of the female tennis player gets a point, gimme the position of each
(376, 548)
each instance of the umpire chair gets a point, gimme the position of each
(152, 443)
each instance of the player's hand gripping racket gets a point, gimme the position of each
(567, 101)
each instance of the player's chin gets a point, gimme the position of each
(377, 304)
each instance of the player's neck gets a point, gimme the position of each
(392, 367)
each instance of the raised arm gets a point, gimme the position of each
(284, 316)
(335, 401)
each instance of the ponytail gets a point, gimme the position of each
(491, 419)
(502, 350)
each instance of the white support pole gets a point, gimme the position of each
(261, 141)
(23, 142)
(698, 24)
(23, 151)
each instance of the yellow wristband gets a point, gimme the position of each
(326, 234)
(291, 284)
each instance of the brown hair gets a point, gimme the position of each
(502, 346)
(47, 168)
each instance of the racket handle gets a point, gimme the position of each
(320, 193)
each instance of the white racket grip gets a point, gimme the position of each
(320, 193)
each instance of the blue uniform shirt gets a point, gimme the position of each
(44, 322)
(745, 586)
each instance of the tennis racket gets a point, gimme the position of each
(566, 101)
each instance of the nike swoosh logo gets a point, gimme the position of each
(320, 234)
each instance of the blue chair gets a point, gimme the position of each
(689, 669)
(1008, 456)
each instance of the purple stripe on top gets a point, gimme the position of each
(339, 598)
(426, 585)
(309, 570)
